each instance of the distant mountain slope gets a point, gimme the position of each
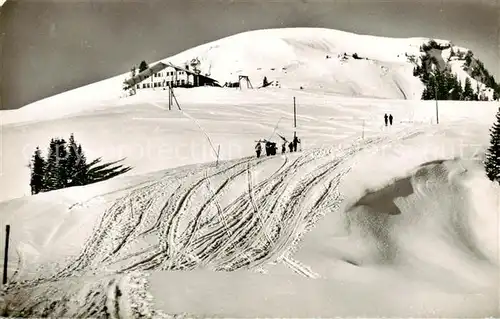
(332, 61)
(458, 62)
(314, 59)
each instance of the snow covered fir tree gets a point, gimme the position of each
(492, 161)
(66, 166)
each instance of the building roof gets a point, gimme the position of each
(138, 78)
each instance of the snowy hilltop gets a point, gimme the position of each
(365, 219)
(331, 61)
(313, 59)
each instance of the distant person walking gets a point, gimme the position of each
(258, 149)
(283, 148)
(290, 147)
(385, 119)
(390, 119)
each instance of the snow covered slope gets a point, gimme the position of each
(394, 216)
(366, 220)
(315, 59)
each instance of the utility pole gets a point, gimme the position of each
(218, 153)
(363, 133)
(294, 119)
(169, 97)
(437, 108)
(6, 254)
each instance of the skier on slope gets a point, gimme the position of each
(268, 148)
(273, 148)
(385, 119)
(258, 149)
(390, 119)
(295, 142)
(283, 146)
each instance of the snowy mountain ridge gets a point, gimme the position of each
(317, 60)
(324, 59)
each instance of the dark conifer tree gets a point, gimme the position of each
(62, 159)
(496, 95)
(468, 91)
(72, 160)
(425, 94)
(66, 165)
(56, 176)
(492, 161)
(37, 172)
(50, 175)
(457, 92)
(81, 168)
(143, 66)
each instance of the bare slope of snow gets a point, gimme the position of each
(296, 57)
(420, 237)
(402, 216)
(153, 138)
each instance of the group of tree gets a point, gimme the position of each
(492, 160)
(478, 71)
(66, 166)
(445, 80)
(445, 85)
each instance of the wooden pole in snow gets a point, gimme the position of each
(363, 134)
(294, 119)
(176, 102)
(6, 254)
(218, 152)
(437, 108)
(169, 97)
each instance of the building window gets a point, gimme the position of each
(144, 86)
(182, 82)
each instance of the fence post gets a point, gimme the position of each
(218, 152)
(6, 254)
(363, 133)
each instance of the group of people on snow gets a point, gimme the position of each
(390, 118)
(271, 148)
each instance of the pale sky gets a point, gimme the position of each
(49, 46)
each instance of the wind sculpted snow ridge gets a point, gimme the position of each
(194, 219)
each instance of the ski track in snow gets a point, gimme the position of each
(164, 226)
